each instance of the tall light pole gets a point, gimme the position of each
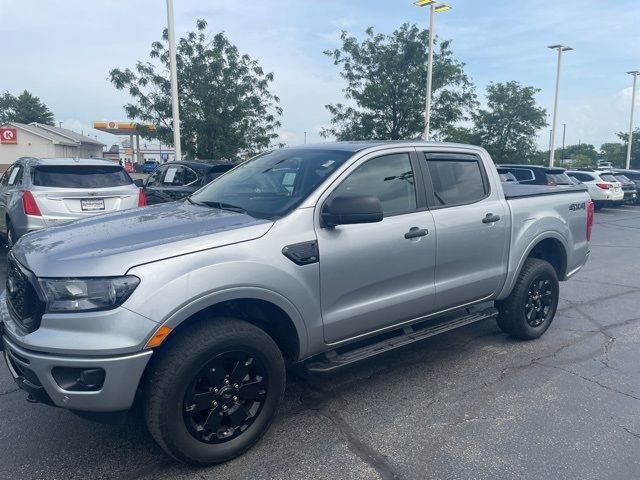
(433, 9)
(175, 105)
(635, 74)
(560, 48)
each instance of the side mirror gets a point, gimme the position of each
(352, 209)
(138, 182)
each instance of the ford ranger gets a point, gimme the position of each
(315, 257)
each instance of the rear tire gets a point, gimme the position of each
(530, 308)
(213, 391)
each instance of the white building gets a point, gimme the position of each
(37, 140)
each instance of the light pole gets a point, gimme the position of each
(564, 135)
(560, 48)
(635, 74)
(175, 106)
(433, 9)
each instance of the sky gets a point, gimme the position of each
(62, 52)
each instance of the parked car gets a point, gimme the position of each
(604, 165)
(538, 174)
(628, 188)
(194, 307)
(38, 193)
(633, 175)
(150, 166)
(175, 180)
(604, 189)
(506, 176)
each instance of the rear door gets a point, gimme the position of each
(472, 227)
(67, 192)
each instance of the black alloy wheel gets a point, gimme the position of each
(225, 396)
(539, 301)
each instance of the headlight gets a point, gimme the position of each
(87, 294)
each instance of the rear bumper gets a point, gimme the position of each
(32, 371)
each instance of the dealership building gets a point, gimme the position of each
(37, 140)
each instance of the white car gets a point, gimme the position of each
(604, 189)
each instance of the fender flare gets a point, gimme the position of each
(178, 316)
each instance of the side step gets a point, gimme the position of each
(344, 356)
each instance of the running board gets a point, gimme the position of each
(342, 357)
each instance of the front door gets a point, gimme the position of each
(376, 275)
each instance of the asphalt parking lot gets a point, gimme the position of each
(472, 403)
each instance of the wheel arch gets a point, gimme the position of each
(550, 247)
(269, 311)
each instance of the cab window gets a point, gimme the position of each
(390, 178)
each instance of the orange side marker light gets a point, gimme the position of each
(162, 333)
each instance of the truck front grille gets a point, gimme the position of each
(25, 306)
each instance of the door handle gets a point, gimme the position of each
(415, 232)
(491, 218)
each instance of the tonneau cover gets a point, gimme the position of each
(518, 190)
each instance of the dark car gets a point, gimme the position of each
(628, 187)
(538, 174)
(176, 180)
(150, 166)
(633, 175)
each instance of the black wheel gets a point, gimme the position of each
(529, 310)
(597, 205)
(213, 391)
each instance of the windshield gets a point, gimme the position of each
(608, 178)
(80, 176)
(558, 179)
(273, 184)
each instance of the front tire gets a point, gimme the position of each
(213, 391)
(530, 308)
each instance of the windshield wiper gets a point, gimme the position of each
(194, 203)
(225, 206)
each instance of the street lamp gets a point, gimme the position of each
(560, 48)
(433, 9)
(175, 106)
(635, 74)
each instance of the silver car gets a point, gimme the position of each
(39, 193)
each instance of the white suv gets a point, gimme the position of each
(603, 188)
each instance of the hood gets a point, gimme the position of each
(109, 245)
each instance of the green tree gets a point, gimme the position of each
(580, 160)
(584, 149)
(635, 148)
(226, 107)
(615, 153)
(25, 108)
(507, 127)
(386, 86)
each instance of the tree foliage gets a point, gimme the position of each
(508, 125)
(635, 148)
(25, 108)
(386, 86)
(226, 106)
(615, 153)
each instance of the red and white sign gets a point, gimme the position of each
(8, 135)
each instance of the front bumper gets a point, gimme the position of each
(32, 371)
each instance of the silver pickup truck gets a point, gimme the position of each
(315, 257)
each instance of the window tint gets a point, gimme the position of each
(608, 178)
(80, 176)
(633, 176)
(390, 178)
(173, 176)
(456, 182)
(583, 177)
(558, 179)
(523, 174)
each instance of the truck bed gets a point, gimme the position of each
(518, 190)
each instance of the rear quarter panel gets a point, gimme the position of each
(562, 217)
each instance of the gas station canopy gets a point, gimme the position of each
(121, 128)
